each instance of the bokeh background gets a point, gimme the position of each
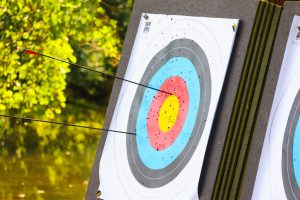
(39, 160)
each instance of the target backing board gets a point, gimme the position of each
(180, 62)
(278, 175)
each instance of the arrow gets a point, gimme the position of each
(90, 69)
(64, 124)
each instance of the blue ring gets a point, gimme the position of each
(178, 66)
(296, 153)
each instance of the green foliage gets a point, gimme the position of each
(49, 27)
(119, 10)
(77, 30)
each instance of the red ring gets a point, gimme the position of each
(162, 140)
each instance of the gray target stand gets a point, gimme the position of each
(211, 186)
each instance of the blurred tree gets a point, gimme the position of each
(119, 10)
(91, 85)
(77, 30)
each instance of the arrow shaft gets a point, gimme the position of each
(90, 69)
(64, 124)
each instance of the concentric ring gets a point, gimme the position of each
(291, 152)
(152, 157)
(186, 59)
(161, 138)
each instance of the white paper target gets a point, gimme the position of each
(188, 58)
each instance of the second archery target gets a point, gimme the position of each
(180, 63)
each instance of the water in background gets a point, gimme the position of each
(63, 175)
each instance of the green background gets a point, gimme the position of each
(46, 161)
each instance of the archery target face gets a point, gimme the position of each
(182, 61)
(162, 147)
(278, 175)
